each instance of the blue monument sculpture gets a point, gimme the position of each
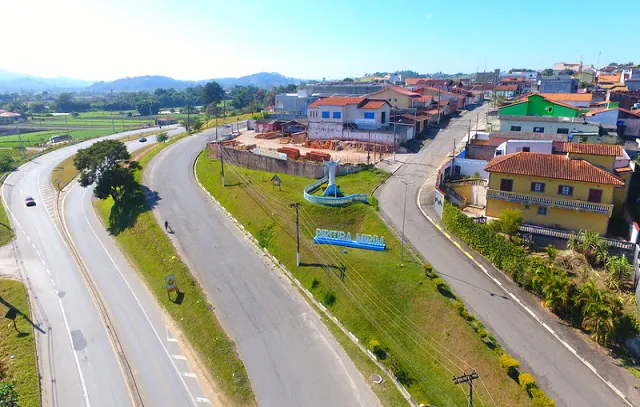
(332, 188)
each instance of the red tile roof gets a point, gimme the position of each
(399, 90)
(338, 101)
(525, 98)
(512, 79)
(568, 97)
(507, 87)
(372, 104)
(483, 86)
(609, 78)
(425, 99)
(624, 169)
(414, 81)
(551, 166)
(613, 150)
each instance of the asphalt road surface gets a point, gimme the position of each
(558, 371)
(77, 359)
(290, 356)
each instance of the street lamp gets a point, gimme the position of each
(404, 213)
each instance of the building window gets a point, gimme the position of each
(395, 100)
(537, 186)
(383, 117)
(389, 99)
(538, 129)
(542, 210)
(337, 115)
(369, 115)
(325, 115)
(516, 128)
(565, 190)
(526, 149)
(506, 185)
(563, 131)
(595, 195)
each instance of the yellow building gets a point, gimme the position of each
(554, 190)
(399, 98)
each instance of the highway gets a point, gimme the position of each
(290, 356)
(78, 360)
(564, 377)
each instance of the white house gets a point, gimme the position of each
(528, 146)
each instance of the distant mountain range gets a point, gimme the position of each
(15, 82)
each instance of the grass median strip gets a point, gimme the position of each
(144, 242)
(6, 233)
(17, 346)
(410, 321)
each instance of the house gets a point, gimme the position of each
(60, 139)
(166, 120)
(536, 104)
(553, 190)
(341, 88)
(487, 77)
(576, 67)
(573, 99)
(505, 91)
(633, 83)
(485, 89)
(604, 115)
(626, 99)
(558, 85)
(398, 97)
(442, 84)
(514, 80)
(629, 122)
(7, 117)
(456, 100)
(268, 126)
(355, 118)
(483, 145)
(294, 104)
(295, 126)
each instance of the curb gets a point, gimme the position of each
(275, 262)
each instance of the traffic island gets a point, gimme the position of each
(398, 314)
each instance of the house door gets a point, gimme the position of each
(595, 195)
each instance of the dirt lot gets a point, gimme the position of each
(347, 156)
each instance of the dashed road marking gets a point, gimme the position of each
(179, 357)
(189, 374)
(203, 400)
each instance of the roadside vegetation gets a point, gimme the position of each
(125, 205)
(586, 285)
(18, 370)
(405, 315)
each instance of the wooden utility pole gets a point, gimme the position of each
(222, 162)
(467, 378)
(297, 205)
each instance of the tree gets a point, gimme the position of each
(37, 107)
(65, 103)
(102, 163)
(196, 125)
(556, 292)
(510, 221)
(213, 110)
(212, 92)
(6, 162)
(547, 72)
(348, 80)
(583, 84)
(148, 107)
(162, 137)
(8, 395)
(619, 266)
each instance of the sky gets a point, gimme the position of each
(332, 39)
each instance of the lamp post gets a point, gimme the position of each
(404, 213)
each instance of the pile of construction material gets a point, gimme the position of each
(318, 156)
(338, 145)
(292, 153)
(268, 136)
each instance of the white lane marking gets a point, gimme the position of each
(85, 394)
(179, 357)
(528, 310)
(203, 400)
(33, 245)
(28, 238)
(43, 263)
(133, 294)
(38, 253)
(189, 374)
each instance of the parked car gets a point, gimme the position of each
(142, 139)
(29, 201)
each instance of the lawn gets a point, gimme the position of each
(41, 137)
(422, 337)
(6, 233)
(146, 245)
(64, 172)
(17, 350)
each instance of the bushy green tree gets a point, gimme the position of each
(102, 163)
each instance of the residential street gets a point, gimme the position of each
(291, 357)
(558, 371)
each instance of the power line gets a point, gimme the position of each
(467, 378)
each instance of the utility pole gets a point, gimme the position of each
(222, 162)
(66, 123)
(24, 150)
(369, 148)
(404, 213)
(467, 378)
(296, 205)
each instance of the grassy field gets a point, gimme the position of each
(232, 119)
(66, 171)
(149, 249)
(422, 337)
(41, 137)
(6, 233)
(17, 350)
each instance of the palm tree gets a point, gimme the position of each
(556, 292)
(541, 277)
(619, 267)
(589, 295)
(600, 311)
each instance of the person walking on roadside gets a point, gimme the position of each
(166, 226)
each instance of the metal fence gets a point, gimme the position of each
(562, 234)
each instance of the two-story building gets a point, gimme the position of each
(399, 98)
(553, 190)
(505, 91)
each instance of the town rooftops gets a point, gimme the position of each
(525, 98)
(512, 79)
(414, 81)
(567, 97)
(483, 86)
(506, 87)
(548, 119)
(613, 150)
(399, 90)
(361, 101)
(551, 166)
(610, 78)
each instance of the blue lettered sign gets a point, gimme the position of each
(340, 238)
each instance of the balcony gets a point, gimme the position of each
(552, 202)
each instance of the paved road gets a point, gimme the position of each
(162, 372)
(77, 359)
(290, 356)
(566, 379)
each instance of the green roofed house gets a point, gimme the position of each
(537, 105)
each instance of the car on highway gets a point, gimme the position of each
(142, 139)
(29, 201)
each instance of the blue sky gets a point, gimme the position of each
(200, 39)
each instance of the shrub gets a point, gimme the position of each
(509, 363)
(374, 203)
(526, 381)
(162, 137)
(552, 252)
(460, 307)
(428, 271)
(315, 283)
(510, 221)
(329, 299)
(539, 399)
(443, 287)
(483, 333)
(8, 395)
